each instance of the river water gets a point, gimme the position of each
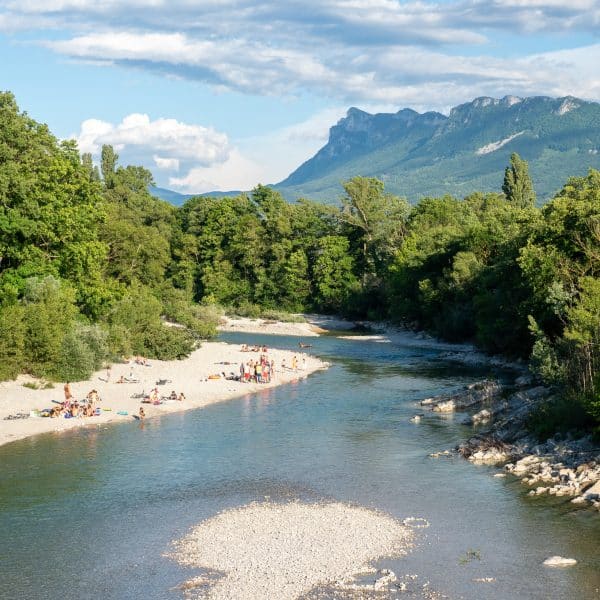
(90, 514)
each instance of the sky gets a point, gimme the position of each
(225, 94)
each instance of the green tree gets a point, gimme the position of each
(333, 278)
(380, 219)
(108, 164)
(517, 185)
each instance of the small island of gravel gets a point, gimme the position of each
(283, 551)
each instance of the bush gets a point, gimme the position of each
(12, 334)
(562, 414)
(75, 361)
(118, 342)
(166, 343)
(49, 311)
(83, 351)
(245, 309)
(201, 320)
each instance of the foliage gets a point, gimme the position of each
(517, 185)
(12, 334)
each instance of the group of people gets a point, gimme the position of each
(258, 371)
(70, 407)
(154, 398)
(246, 348)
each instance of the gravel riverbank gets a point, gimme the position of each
(283, 551)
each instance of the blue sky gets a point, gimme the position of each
(224, 94)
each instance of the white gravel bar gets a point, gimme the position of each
(283, 551)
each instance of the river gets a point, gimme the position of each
(90, 514)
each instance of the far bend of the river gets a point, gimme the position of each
(90, 514)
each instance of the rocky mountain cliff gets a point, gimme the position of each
(425, 154)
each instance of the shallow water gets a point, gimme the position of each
(89, 514)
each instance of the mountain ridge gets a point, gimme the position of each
(420, 154)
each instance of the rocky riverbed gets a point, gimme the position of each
(557, 467)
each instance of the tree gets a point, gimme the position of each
(333, 276)
(380, 219)
(108, 164)
(90, 168)
(517, 186)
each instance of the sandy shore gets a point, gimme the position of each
(283, 551)
(265, 326)
(188, 376)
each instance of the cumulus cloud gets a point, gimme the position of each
(168, 164)
(164, 144)
(169, 139)
(236, 173)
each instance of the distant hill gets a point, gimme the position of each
(426, 154)
(178, 199)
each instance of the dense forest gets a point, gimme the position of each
(93, 268)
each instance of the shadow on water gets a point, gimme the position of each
(104, 504)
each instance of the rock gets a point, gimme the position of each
(481, 417)
(415, 419)
(445, 407)
(493, 456)
(439, 454)
(559, 561)
(499, 475)
(471, 395)
(387, 578)
(524, 381)
(525, 465)
(593, 493)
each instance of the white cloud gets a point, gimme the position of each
(236, 173)
(166, 145)
(395, 74)
(169, 139)
(169, 164)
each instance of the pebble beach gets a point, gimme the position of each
(283, 551)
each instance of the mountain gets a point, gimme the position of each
(178, 199)
(431, 154)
